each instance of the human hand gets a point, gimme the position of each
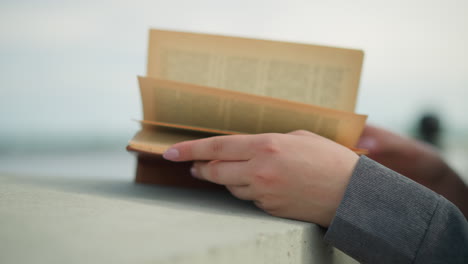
(414, 159)
(298, 175)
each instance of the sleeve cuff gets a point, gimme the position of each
(383, 216)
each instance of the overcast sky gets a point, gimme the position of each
(69, 67)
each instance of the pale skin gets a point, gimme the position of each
(298, 175)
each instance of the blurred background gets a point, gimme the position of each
(68, 68)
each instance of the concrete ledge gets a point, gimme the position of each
(84, 220)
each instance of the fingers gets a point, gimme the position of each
(222, 172)
(369, 143)
(241, 192)
(233, 174)
(377, 140)
(233, 147)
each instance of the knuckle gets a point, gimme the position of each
(269, 144)
(216, 145)
(301, 132)
(212, 171)
(261, 178)
(264, 177)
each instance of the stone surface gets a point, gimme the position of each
(52, 213)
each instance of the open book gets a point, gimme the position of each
(202, 85)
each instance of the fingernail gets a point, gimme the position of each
(193, 171)
(367, 143)
(171, 154)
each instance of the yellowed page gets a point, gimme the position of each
(157, 137)
(154, 139)
(311, 74)
(201, 106)
(189, 128)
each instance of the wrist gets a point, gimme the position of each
(352, 163)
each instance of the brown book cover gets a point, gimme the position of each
(154, 169)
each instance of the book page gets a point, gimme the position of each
(189, 128)
(156, 138)
(200, 106)
(311, 74)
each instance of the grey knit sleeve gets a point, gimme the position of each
(385, 217)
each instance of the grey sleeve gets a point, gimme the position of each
(385, 217)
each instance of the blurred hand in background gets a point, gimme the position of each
(416, 160)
